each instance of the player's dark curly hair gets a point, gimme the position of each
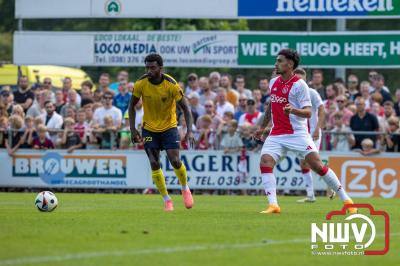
(154, 58)
(291, 55)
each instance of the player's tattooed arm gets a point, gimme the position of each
(267, 116)
(135, 136)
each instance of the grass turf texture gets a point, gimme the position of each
(120, 229)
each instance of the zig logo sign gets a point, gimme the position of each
(368, 177)
(364, 233)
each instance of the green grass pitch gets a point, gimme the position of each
(121, 229)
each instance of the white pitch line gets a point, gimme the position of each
(89, 255)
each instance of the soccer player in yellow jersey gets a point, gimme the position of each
(160, 93)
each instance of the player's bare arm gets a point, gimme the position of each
(321, 122)
(135, 135)
(189, 121)
(264, 129)
(305, 112)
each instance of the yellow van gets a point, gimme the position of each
(37, 73)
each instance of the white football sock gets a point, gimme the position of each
(269, 182)
(333, 182)
(308, 179)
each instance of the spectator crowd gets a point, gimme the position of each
(360, 113)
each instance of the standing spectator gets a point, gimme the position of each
(316, 83)
(18, 110)
(251, 116)
(70, 139)
(207, 94)
(3, 131)
(108, 133)
(86, 92)
(104, 82)
(48, 87)
(42, 142)
(121, 100)
(363, 121)
(397, 103)
(231, 94)
(331, 93)
(341, 101)
(72, 102)
(263, 86)
(371, 77)
(67, 87)
(24, 96)
(196, 108)
(378, 84)
(205, 140)
(352, 86)
(257, 98)
(81, 125)
(364, 91)
(222, 104)
(240, 84)
(242, 107)
(139, 115)
(389, 112)
(37, 108)
(210, 111)
(193, 84)
(59, 101)
(52, 120)
(108, 109)
(122, 75)
(341, 137)
(231, 142)
(16, 135)
(391, 138)
(214, 78)
(6, 100)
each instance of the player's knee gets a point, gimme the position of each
(155, 165)
(175, 162)
(267, 161)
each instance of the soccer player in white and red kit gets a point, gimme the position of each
(289, 109)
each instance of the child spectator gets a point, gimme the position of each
(70, 139)
(81, 125)
(249, 142)
(231, 142)
(182, 130)
(28, 132)
(206, 138)
(18, 110)
(367, 147)
(108, 133)
(16, 135)
(341, 137)
(42, 142)
(391, 138)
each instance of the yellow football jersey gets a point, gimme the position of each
(159, 102)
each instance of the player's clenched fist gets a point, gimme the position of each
(287, 109)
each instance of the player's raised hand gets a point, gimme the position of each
(287, 109)
(135, 136)
(189, 138)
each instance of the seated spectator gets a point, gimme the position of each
(70, 139)
(16, 135)
(341, 137)
(42, 142)
(367, 147)
(231, 142)
(205, 140)
(391, 138)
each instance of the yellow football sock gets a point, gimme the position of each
(182, 176)
(159, 180)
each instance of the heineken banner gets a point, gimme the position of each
(218, 9)
(207, 48)
(375, 49)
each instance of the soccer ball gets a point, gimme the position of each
(46, 201)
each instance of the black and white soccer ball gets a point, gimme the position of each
(46, 201)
